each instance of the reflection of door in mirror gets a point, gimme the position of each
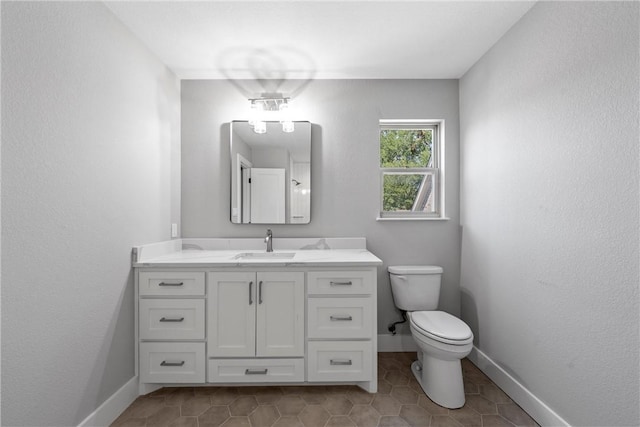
(300, 193)
(241, 189)
(245, 193)
(267, 196)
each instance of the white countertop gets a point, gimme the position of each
(181, 253)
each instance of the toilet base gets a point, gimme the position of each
(441, 380)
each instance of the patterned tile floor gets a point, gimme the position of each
(398, 402)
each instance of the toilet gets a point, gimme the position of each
(442, 339)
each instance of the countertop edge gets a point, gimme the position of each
(245, 265)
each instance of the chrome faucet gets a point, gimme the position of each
(269, 241)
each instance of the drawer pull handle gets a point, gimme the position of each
(250, 293)
(256, 371)
(339, 318)
(338, 362)
(165, 363)
(347, 283)
(170, 284)
(169, 319)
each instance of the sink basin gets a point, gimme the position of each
(266, 255)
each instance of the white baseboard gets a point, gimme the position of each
(535, 407)
(394, 343)
(111, 409)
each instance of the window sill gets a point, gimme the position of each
(440, 218)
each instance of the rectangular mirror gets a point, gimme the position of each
(270, 174)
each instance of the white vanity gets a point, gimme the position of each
(226, 312)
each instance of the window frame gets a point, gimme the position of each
(436, 169)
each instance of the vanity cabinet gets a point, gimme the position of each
(256, 314)
(256, 318)
(339, 325)
(171, 327)
(215, 320)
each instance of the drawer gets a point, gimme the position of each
(171, 319)
(172, 362)
(339, 361)
(171, 283)
(345, 317)
(256, 370)
(340, 282)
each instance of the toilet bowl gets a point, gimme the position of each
(442, 339)
(438, 368)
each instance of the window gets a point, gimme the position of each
(410, 169)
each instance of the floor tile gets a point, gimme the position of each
(386, 405)
(264, 416)
(364, 416)
(314, 416)
(515, 414)
(337, 404)
(415, 416)
(340, 421)
(399, 402)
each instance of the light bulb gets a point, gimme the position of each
(288, 126)
(260, 127)
(253, 114)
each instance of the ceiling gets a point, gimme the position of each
(319, 39)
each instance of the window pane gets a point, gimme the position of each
(408, 192)
(406, 148)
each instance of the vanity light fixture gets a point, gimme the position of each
(270, 104)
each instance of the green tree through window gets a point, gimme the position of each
(406, 149)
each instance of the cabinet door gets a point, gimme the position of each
(231, 314)
(280, 314)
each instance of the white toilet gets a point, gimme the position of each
(442, 339)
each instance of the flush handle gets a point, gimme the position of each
(256, 371)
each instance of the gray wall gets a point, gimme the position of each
(345, 171)
(90, 166)
(550, 200)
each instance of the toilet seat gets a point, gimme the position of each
(441, 327)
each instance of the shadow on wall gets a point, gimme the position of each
(118, 346)
(468, 305)
(254, 71)
(469, 314)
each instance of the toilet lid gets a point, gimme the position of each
(414, 269)
(441, 325)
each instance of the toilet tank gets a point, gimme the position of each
(415, 287)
